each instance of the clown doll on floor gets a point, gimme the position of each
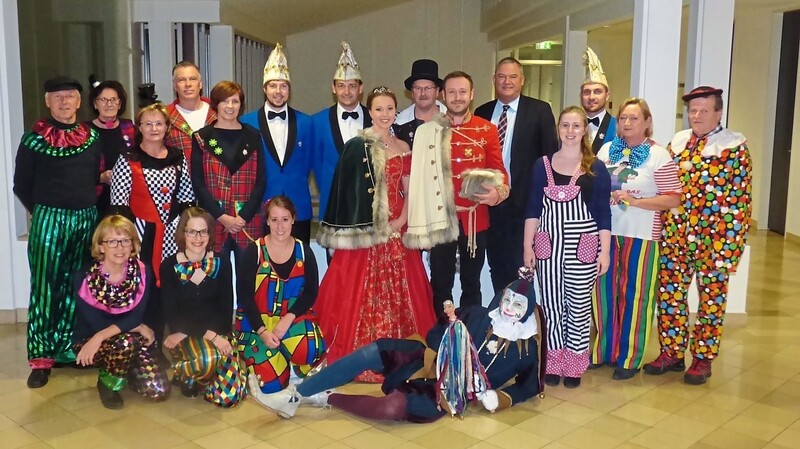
(507, 345)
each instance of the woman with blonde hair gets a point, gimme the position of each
(110, 331)
(566, 240)
(644, 182)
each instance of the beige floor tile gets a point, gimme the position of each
(602, 402)
(727, 401)
(640, 413)
(755, 428)
(514, 438)
(337, 428)
(547, 426)
(446, 437)
(772, 415)
(727, 439)
(480, 427)
(301, 437)
(372, 438)
(56, 426)
(617, 427)
(574, 413)
(661, 439)
(197, 426)
(233, 438)
(705, 413)
(80, 438)
(26, 415)
(590, 438)
(789, 439)
(268, 427)
(17, 437)
(660, 400)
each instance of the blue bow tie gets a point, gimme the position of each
(636, 155)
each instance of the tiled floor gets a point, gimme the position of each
(753, 400)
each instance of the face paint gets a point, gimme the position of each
(513, 306)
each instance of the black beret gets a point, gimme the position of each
(702, 91)
(62, 83)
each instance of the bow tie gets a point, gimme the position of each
(281, 115)
(636, 155)
(346, 115)
(594, 121)
(186, 269)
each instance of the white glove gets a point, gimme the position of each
(489, 400)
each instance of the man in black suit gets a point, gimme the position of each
(527, 132)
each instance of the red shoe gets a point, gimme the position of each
(664, 363)
(698, 373)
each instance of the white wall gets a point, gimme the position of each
(385, 43)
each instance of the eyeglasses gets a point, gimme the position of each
(116, 242)
(154, 124)
(196, 232)
(108, 100)
(419, 89)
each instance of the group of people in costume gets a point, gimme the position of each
(608, 227)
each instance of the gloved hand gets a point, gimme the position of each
(489, 400)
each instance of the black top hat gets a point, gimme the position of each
(702, 91)
(424, 69)
(62, 83)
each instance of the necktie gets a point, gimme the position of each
(281, 115)
(353, 115)
(594, 121)
(502, 125)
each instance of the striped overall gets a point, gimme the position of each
(566, 247)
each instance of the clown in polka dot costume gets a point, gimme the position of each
(704, 237)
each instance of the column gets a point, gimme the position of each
(162, 58)
(655, 61)
(709, 49)
(572, 58)
(220, 53)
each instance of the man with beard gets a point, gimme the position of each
(190, 111)
(287, 137)
(594, 96)
(57, 171)
(527, 131)
(339, 123)
(456, 173)
(424, 84)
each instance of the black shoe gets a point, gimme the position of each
(552, 379)
(110, 398)
(38, 377)
(595, 365)
(190, 388)
(572, 382)
(623, 373)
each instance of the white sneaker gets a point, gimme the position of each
(318, 400)
(284, 402)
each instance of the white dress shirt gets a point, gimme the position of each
(592, 128)
(279, 129)
(350, 127)
(195, 119)
(511, 119)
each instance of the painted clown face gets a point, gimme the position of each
(513, 306)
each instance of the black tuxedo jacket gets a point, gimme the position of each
(534, 137)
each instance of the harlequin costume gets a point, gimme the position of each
(152, 192)
(126, 357)
(228, 177)
(439, 218)
(624, 301)
(55, 178)
(375, 287)
(114, 142)
(194, 309)
(267, 291)
(572, 209)
(507, 355)
(180, 132)
(704, 238)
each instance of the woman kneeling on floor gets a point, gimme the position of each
(110, 332)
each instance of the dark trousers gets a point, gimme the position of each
(504, 243)
(443, 270)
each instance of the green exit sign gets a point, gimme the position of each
(546, 45)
